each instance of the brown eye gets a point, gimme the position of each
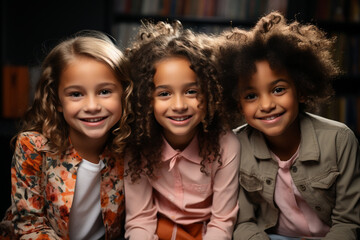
(104, 92)
(250, 96)
(278, 90)
(163, 94)
(75, 94)
(191, 91)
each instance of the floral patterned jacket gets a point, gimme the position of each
(43, 185)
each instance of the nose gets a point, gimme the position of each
(179, 103)
(266, 104)
(92, 104)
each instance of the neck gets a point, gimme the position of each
(89, 149)
(286, 145)
(180, 142)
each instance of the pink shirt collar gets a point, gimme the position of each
(190, 153)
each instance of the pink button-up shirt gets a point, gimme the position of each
(296, 218)
(184, 194)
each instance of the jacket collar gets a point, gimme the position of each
(309, 146)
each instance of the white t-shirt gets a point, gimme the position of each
(85, 214)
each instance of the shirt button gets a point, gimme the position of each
(268, 181)
(302, 188)
(318, 208)
(294, 169)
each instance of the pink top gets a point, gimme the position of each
(184, 194)
(296, 218)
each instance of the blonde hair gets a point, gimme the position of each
(43, 115)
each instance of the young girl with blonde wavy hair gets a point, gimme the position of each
(67, 168)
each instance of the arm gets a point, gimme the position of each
(141, 219)
(346, 213)
(246, 227)
(225, 187)
(27, 197)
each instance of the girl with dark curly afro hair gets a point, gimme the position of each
(182, 168)
(299, 172)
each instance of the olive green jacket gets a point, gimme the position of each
(326, 173)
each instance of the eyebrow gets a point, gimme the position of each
(101, 85)
(271, 84)
(168, 86)
(278, 80)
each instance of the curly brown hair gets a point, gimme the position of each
(302, 50)
(155, 42)
(43, 116)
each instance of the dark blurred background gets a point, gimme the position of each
(29, 29)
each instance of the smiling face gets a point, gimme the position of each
(269, 102)
(90, 99)
(175, 101)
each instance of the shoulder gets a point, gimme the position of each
(243, 132)
(33, 140)
(326, 130)
(322, 124)
(229, 140)
(230, 147)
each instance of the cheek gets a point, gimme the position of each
(116, 104)
(246, 108)
(158, 107)
(291, 103)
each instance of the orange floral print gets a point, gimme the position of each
(36, 202)
(43, 185)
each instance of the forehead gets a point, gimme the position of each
(86, 70)
(264, 74)
(174, 71)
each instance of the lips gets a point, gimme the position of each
(272, 117)
(93, 120)
(182, 118)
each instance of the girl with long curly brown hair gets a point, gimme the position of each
(68, 159)
(299, 172)
(182, 168)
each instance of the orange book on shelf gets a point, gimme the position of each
(165, 8)
(15, 91)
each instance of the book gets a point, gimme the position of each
(15, 91)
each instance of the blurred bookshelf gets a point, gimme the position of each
(340, 18)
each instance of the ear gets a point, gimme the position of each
(301, 99)
(59, 108)
(240, 108)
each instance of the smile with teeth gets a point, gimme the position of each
(180, 118)
(271, 117)
(93, 119)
